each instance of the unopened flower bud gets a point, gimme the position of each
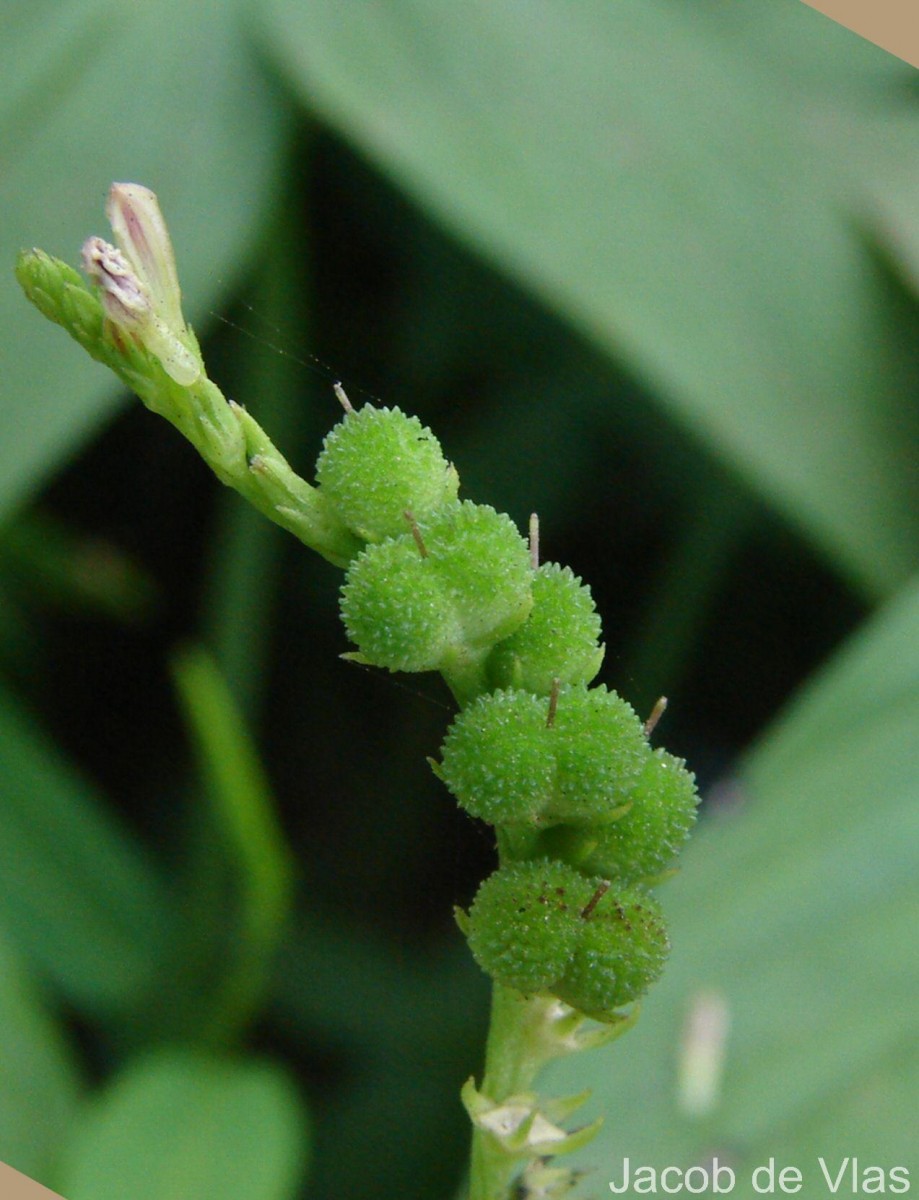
(138, 282)
(141, 235)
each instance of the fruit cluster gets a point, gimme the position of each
(587, 815)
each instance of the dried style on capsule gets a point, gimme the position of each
(620, 952)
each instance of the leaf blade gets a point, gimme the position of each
(179, 1124)
(632, 172)
(76, 894)
(39, 1080)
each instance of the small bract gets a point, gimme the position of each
(138, 284)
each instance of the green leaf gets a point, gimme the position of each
(857, 107)
(647, 178)
(178, 1124)
(887, 158)
(798, 907)
(39, 1087)
(163, 93)
(407, 1024)
(76, 894)
(49, 564)
(816, 55)
(243, 816)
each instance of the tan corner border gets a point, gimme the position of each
(15, 1186)
(891, 24)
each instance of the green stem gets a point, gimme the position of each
(464, 673)
(517, 843)
(230, 441)
(514, 1053)
(510, 1067)
(246, 560)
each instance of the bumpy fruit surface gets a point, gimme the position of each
(496, 758)
(540, 927)
(639, 844)
(394, 609)
(621, 950)
(376, 464)
(523, 924)
(483, 566)
(505, 764)
(413, 610)
(560, 639)
(643, 842)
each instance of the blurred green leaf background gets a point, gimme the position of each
(646, 268)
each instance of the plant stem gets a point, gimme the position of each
(247, 556)
(464, 674)
(514, 1053)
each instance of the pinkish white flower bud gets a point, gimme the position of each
(141, 235)
(138, 281)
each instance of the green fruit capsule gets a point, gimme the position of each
(602, 750)
(483, 566)
(620, 951)
(376, 464)
(497, 760)
(542, 926)
(394, 608)
(507, 761)
(642, 843)
(559, 641)
(448, 590)
(523, 923)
